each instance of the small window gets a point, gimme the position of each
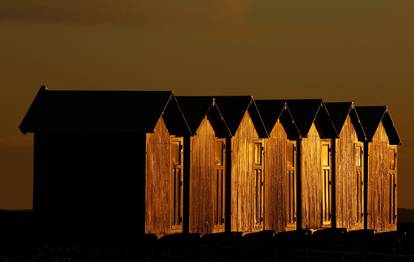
(392, 156)
(291, 154)
(325, 155)
(258, 154)
(176, 153)
(358, 155)
(219, 153)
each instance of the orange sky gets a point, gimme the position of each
(361, 51)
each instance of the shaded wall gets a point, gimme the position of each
(88, 183)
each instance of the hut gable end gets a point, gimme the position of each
(349, 178)
(311, 179)
(380, 135)
(202, 179)
(242, 176)
(157, 180)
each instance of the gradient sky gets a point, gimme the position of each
(357, 50)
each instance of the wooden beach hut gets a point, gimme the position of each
(280, 166)
(245, 163)
(315, 187)
(381, 168)
(349, 166)
(206, 150)
(107, 163)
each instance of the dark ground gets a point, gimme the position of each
(326, 245)
(21, 240)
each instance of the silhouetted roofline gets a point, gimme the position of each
(339, 111)
(196, 108)
(24, 125)
(103, 111)
(274, 110)
(233, 109)
(305, 112)
(372, 116)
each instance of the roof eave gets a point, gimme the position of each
(42, 90)
(222, 118)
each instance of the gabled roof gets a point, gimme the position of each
(305, 112)
(274, 110)
(339, 111)
(103, 111)
(196, 108)
(372, 116)
(233, 109)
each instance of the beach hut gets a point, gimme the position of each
(206, 148)
(315, 186)
(107, 162)
(245, 163)
(280, 166)
(381, 168)
(349, 166)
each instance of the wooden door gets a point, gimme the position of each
(291, 184)
(219, 184)
(176, 185)
(326, 159)
(258, 177)
(359, 177)
(392, 195)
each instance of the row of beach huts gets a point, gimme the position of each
(134, 162)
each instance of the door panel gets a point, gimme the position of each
(392, 160)
(218, 183)
(258, 177)
(291, 184)
(359, 173)
(326, 159)
(176, 187)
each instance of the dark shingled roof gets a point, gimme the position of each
(103, 111)
(274, 110)
(308, 111)
(233, 109)
(195, 108)
(372, 116)
(339, 111)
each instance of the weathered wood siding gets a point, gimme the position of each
(379, 182)
(242, 177)
(346, 178)
(311, 180)
(201, 179)
(157, 197)
(276, 190)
